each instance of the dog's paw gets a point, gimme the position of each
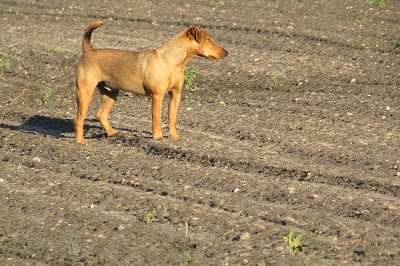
(175, 136)
(157, 137)
(82, 142)
(112, 132)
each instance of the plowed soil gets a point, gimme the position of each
(298, 129)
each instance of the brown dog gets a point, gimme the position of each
(152, 72)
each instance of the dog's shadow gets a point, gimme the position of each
(58, 127)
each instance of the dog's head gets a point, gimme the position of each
(203, 45)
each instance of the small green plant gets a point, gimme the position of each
(377, 2)
(231, 227)
(362, 20)
(191, 260)
(271, 82)
(294, 242)
(148, 217)
(396, 44)
(47, 96)
(190, 76)
(59, 50)
(4, 62)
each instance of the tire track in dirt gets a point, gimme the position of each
(165, 151)
(252, 163)
(252, 166)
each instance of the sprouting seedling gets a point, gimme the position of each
(147, 217)
(47, 96)
(377, 2)
(271, 81)
(4, 62)
(294, 243)
(59, 50)
(190, 76)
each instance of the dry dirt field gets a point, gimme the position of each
(298, 129)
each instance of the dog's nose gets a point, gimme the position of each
(225, 52)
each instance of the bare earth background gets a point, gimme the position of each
(297, 129)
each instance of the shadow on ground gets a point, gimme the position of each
(49, 126)
(60, 127)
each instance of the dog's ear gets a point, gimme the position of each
(195, 33)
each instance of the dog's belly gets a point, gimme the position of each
(137, 88)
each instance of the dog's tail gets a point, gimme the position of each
(86, 45)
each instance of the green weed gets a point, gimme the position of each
(191, 259)
(148, 217)
(294, 243)
(59, 50)
(190, 76)
(4, 62)
(47, 96)
(377, 2)
(231, 227)
(271, 82)
(362, 20)
(396, 44)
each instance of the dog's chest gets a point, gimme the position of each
(177, 78)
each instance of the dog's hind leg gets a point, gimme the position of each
(108, 98)
(84, 95)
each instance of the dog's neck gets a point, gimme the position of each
(178, 52)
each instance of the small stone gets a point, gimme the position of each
(280, 248)
(260, 226)
(245, 236)
(37, 159)
(121, 227)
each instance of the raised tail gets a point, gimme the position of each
(86, 44)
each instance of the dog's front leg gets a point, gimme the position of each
(156, 102)
(173, 107)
